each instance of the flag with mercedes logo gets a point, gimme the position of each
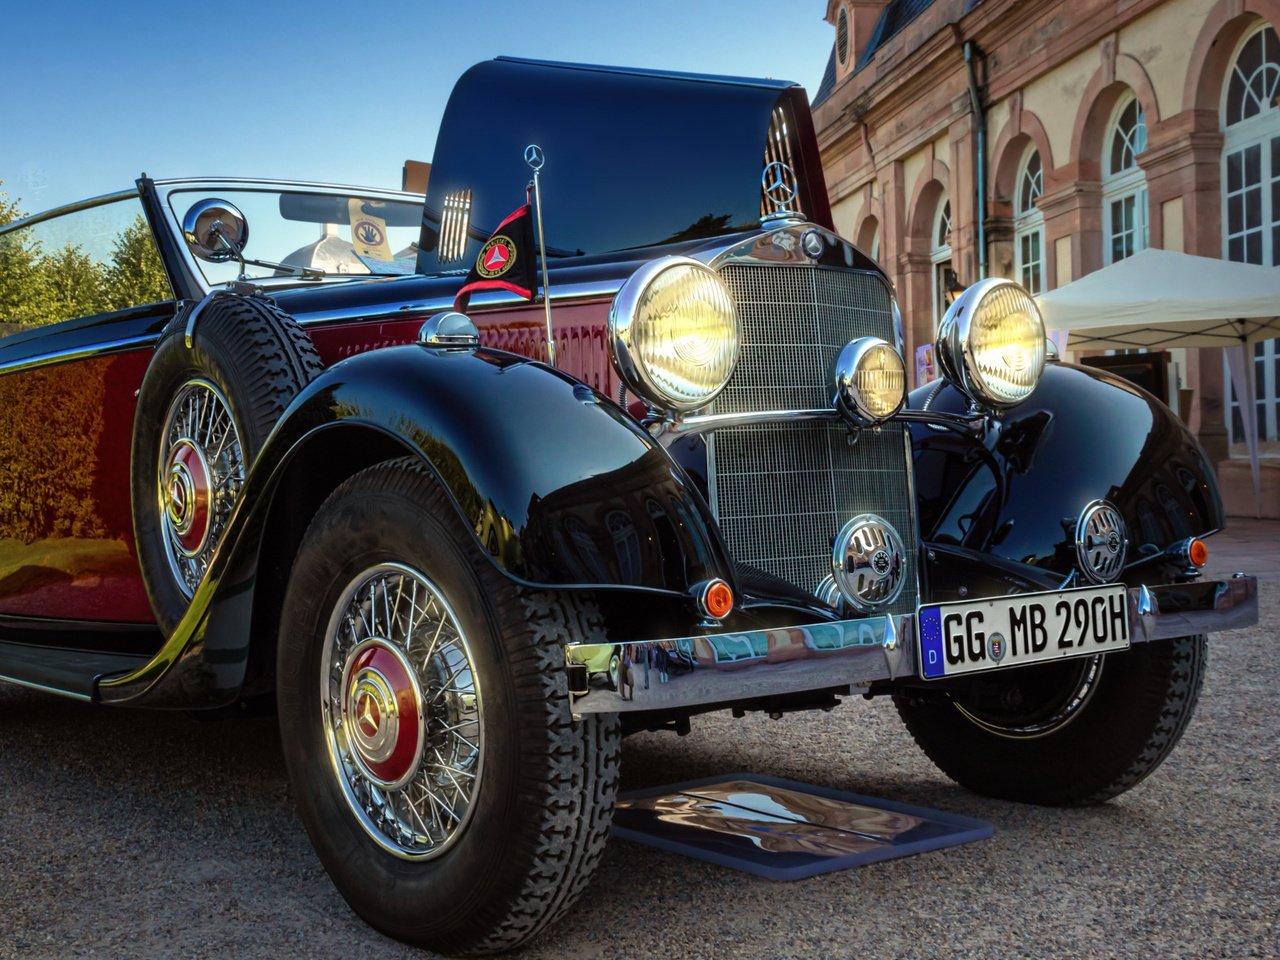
(507, 260)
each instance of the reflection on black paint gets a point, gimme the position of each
(1081, 436)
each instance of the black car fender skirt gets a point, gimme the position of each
(559, 486)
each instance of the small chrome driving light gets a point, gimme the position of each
(674, 334)
(871, 380)
(991, 343)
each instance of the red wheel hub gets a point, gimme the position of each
(187, 497)
(382, 713)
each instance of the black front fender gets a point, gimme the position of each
(561, 489)
(1016, 493)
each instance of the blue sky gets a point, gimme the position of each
(94, 93)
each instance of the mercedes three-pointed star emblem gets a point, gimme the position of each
(779, 183)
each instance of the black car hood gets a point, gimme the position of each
(633, 158)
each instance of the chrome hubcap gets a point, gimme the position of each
(199, 478)
(382, 713)
(401, 710)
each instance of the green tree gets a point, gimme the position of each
(9, 210)
(135, 275)
(25, 298)
(74, 282)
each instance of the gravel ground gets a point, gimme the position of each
(127, 834)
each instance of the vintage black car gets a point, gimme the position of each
(250, 453)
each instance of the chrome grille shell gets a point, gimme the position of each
(782, 491)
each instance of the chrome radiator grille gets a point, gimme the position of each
(782, 491)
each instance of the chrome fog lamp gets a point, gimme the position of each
(674, 334)
(871, 380)
(991, 343)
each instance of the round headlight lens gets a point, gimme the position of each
(674, 334)
(871, 381)
(992, 339)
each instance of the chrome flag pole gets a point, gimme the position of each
(535, 158)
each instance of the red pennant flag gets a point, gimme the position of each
(507, 261)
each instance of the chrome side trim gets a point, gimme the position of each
(67, 208)
(731, 667)
(44, 689)
(565, 293)
(79, 353)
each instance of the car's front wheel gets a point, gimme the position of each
(425, 718)
(1071, 733)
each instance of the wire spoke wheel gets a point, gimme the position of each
(402, 711)
(200, 475)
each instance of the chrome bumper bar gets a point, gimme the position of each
(727, 667)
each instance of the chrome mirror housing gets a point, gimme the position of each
(215, 230)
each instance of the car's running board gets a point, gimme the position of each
(68, 673)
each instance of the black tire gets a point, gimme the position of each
(258, 359)
(1128, 720)
(543, 801)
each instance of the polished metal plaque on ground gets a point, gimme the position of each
(781, 829)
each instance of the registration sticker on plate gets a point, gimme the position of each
(999, 632)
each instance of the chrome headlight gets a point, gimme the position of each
(871, 381)
(674, 334)
(991, 343)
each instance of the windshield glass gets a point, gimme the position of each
(335, 233)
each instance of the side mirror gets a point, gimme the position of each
(215, 230)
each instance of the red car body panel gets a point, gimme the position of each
(68, 553)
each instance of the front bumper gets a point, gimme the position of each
(727, 667)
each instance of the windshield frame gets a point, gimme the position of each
(211, 186)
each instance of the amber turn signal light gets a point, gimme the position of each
(715, 597)
(1197, 552)
(1192, 551)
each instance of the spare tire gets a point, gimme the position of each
(203, 414)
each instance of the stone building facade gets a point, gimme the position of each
(1094, 128)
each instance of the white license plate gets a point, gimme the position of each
(999, 632)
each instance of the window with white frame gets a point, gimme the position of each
(1251, 204)
(1028, 223)
(940, 257)
(1124, 184)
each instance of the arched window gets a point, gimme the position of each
(1124, 185)
(944, 278)
(1028, 223)
(1251, 197)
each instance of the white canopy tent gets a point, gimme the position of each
(1161, 300)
